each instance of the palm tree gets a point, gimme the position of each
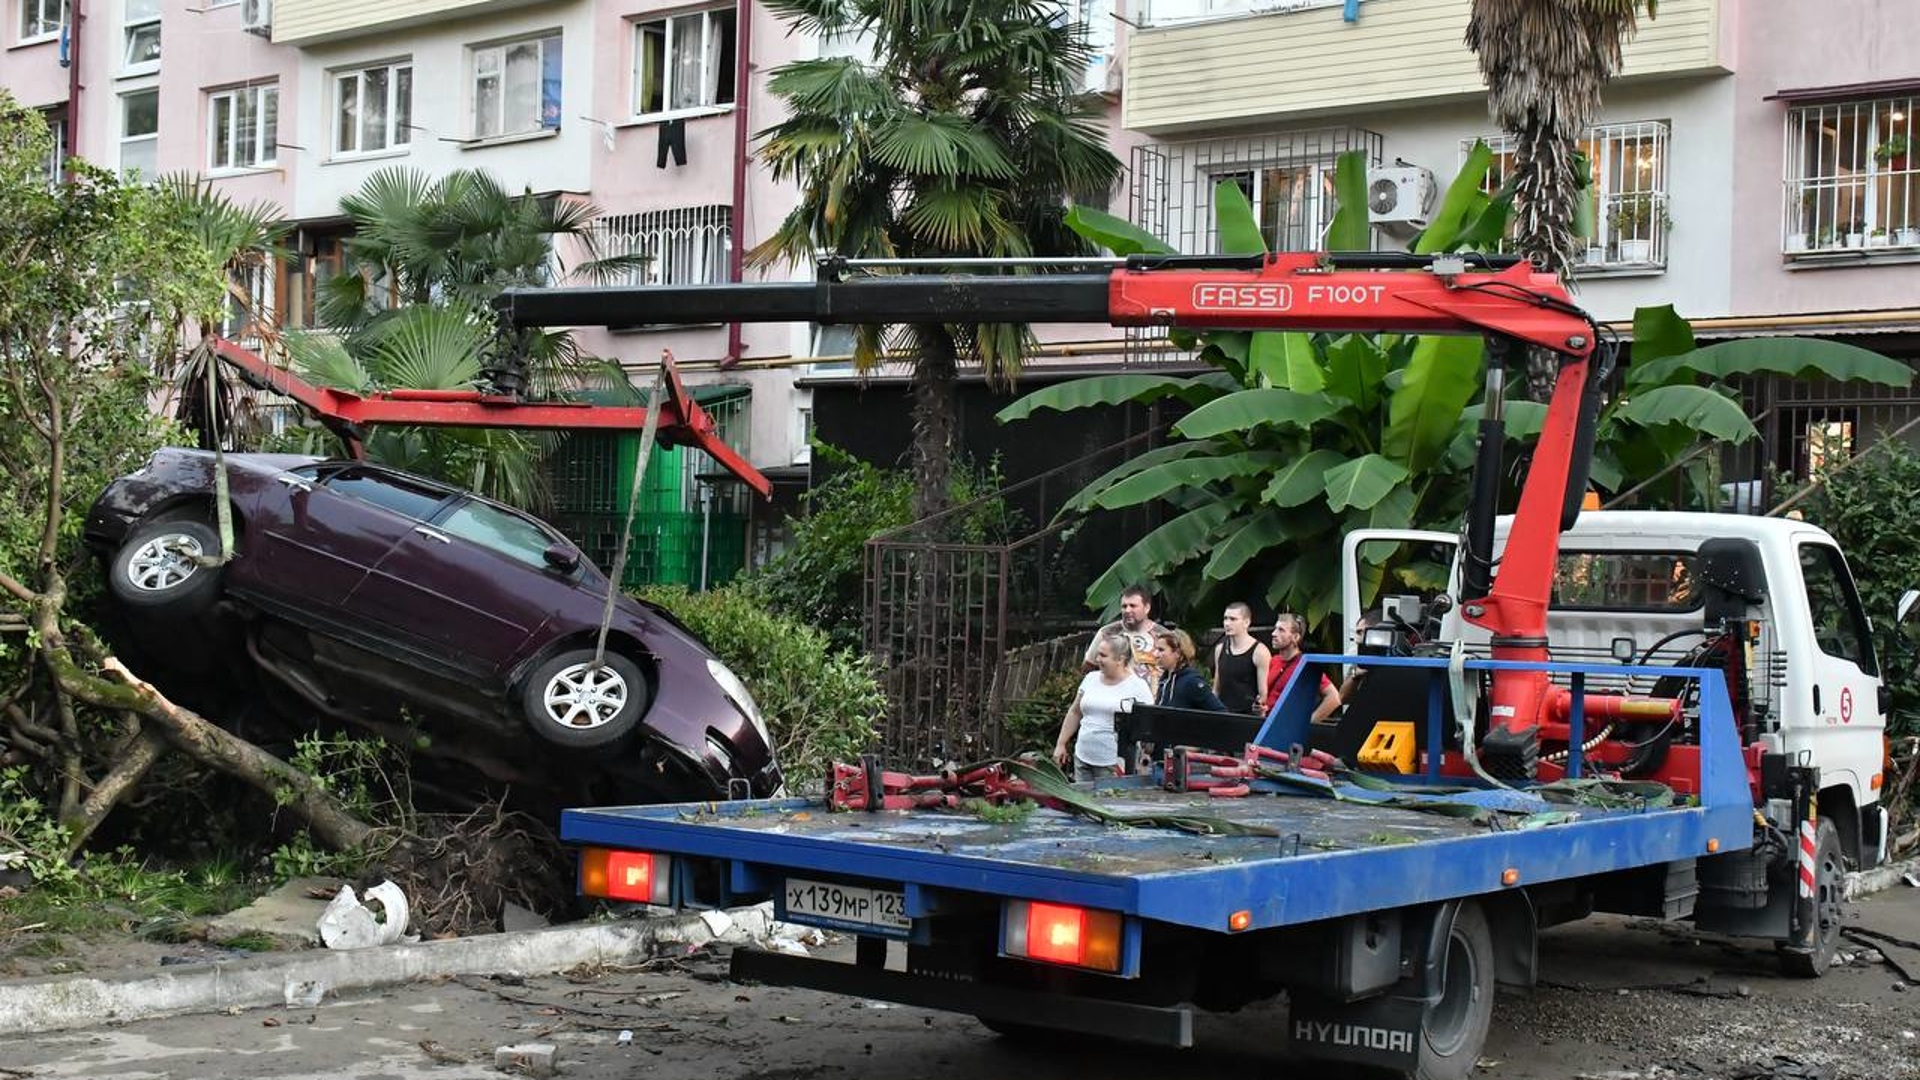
(244, 242)
(1545, 62)
(964, 135)
(414, 310)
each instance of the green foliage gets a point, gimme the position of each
(371, 781)
(1033, 722)
(107, 890)
(1297, 439)
(819, 579)
(445, 247)
(822, 702)
(1869, 507)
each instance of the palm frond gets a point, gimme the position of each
(429, 348)
(322, 360)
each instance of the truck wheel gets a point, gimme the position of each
(1809, 954)
(1454, 1029)
(569, 701)
(157, 569)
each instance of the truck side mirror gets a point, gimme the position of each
(1909, 600)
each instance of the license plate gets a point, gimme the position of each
(847, 905)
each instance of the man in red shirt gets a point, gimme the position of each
(1288, 630)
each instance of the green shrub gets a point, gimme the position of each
(1033, 722)
(1870, 508)
(822, 701)
(819, 579)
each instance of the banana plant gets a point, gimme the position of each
(1294, 439)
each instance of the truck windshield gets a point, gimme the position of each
(1626, 581)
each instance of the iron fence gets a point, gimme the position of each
(942, 617)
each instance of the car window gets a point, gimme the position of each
(1839, 625)
(497, 530)
(416, 501)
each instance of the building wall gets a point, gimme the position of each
(544, 161)
(1851, 42)
(30, 70)
(1242, 68)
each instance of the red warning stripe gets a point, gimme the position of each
(1808, 848)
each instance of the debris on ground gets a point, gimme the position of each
(349, 924)
(530, 1059)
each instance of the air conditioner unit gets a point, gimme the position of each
(256, 17)
(1400, 196)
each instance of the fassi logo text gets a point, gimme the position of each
(1230, 297)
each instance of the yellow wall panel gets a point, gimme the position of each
(1294, 65)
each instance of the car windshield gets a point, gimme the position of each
(497, 530)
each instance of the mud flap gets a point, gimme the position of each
(1382, 1031)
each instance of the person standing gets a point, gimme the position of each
(1181, 687)
(1288, 631)
(1087, 733)
(1239, 661)
(1135, 621)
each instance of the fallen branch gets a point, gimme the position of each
(128, 769)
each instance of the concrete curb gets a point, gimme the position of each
(1865, 882)
(61, 1002)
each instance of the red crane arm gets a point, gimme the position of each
(682, 421)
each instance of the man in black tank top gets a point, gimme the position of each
(1239, 661)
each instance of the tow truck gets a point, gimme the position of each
(1504, 789)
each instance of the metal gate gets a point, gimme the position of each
(941, 617)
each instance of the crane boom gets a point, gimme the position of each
(1502, 298)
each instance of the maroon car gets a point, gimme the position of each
(367, 591)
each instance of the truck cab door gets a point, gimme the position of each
(1365, 552)
(1841, 683)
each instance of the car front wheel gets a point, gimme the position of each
(573, 702)
(160, 568)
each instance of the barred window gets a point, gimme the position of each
(683, 246)
(1850, 177)
(1628, 195)
(1293, 203)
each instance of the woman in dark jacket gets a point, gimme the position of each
(1181, 687)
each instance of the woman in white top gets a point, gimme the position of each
(1088, 727)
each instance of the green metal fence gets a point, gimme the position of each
(686, 531)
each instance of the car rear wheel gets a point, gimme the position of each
(159, 568)
(570, 701)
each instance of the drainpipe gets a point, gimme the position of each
(75, 20)
(742, 84)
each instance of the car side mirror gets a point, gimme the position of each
(1909, 600)
(561, 557)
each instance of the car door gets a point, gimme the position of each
(337, 523)
(1844, 687)
(474, 583)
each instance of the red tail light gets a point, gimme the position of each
(1062, 934)
(637, 876)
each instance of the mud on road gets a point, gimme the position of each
(1621, 999)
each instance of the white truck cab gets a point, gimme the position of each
(1648, 587)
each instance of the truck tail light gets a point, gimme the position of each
(1062, 934)
(637, 876)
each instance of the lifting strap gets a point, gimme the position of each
(647, 432)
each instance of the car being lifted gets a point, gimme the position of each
(365, 590)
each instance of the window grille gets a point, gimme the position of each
(1850, 179)
(683, 246)
(1628, 195)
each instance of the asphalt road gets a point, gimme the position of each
(1622, 999)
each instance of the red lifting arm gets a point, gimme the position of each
(682, 421)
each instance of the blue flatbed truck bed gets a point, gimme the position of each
(1369, 916)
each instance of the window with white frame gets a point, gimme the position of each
(682, 246)
(139, 133)
(684, 62)
(142, 32)
(1627, 196)
(1292, 203)
(1851, 181)
(373, 109)
(243, 127)
(57, 152)
(41, 18)
(516, 87)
